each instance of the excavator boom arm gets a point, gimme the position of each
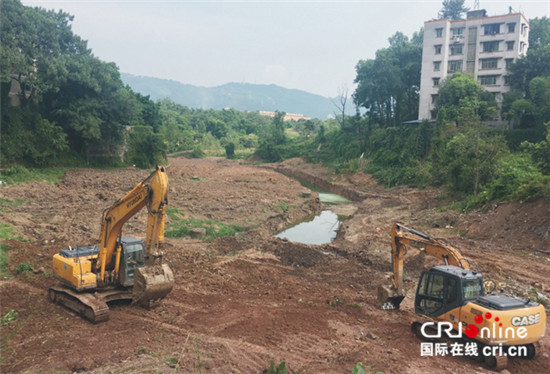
(151, 192)
(403, 237)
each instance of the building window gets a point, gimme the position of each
(506, 80)
(491, 29)
(434, 99)
(509, 62)
(490, 46)
(510, 46)
(488, 80)
(436, 81)
(455, 66)
(456, 49)
(523, 29)
(437, 65)
(437, 49)
(438, 33)
(457, 30)
(522, 47)
(512, 27)
(489, 63)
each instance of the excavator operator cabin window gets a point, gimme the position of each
(472, 288)
(136, 253)
(435, 286)
(431, 293)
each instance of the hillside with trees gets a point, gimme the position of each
(70, 107)
(243, 97)
(73, 109)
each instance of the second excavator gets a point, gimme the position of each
(454, 295)
(118, 267)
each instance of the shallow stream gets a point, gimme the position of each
(319, 229)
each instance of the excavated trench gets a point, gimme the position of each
(322, 184)
(319, 228)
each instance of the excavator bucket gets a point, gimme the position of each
(388, 298)
(151, 283)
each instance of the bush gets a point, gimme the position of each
(197, 152)
(280, 369)
(9, 318)
(19, 174)
(4, 259)
(24, 267)
(180, 227)
(230, 150)
(516, 179)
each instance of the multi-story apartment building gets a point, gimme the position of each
(479, 45)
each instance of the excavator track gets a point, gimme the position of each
(84, 304)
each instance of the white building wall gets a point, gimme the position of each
(472, 56)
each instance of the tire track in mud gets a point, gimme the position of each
(244, 354)
(23, 285)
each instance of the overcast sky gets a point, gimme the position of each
(308, 45)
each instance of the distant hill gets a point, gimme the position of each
(240, 96)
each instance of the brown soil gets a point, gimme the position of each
(240, 303)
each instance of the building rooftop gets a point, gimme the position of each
(480, 17)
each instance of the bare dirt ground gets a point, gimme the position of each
(240, 303)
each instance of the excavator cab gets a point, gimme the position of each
(446, 287)
(150, 282)
(133, 257)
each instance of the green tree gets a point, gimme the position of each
(145, 148)
(30, 139)
(536, 63)
(540, 152)
(278, 129)
(460, 91)
(531, 111)
(150, 111)
(307, 128)
(388, 85)
(230, 150)
(469, 156)
(91, 104)
(539, 33)
(216, 127)
(526, 106)
(31, 41)
(453, 10)
(78, 101)
(273, 139)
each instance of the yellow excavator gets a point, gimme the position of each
(452, 296)
(118, 267)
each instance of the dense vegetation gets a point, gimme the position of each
(74, 110)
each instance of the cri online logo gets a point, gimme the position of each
(493, 332)
(472, 331)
